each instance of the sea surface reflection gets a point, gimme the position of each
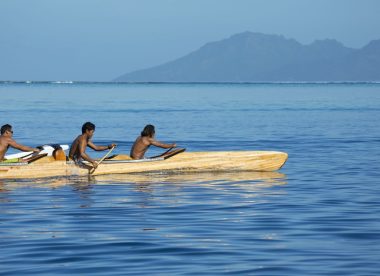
(319, 215)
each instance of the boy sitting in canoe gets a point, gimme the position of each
(144, 141)
(79, 145)
(7, 141)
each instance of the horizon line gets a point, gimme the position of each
(57, 82)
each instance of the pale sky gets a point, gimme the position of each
(98, 40)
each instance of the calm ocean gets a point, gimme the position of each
(318, 215)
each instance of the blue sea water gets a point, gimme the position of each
(318, 215)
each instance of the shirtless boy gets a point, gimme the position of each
(78, 147)
(144, 141)
(7, 141)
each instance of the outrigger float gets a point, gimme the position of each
(49, 164)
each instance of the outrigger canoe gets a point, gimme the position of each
(174, 160)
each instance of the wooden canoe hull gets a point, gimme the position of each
(187, 162)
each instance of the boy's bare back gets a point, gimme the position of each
(142, 144)
(140, 147)
(4, 144)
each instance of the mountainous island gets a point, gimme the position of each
(256, 57)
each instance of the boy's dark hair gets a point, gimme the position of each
(87, 126)
(5, 128)
(148, 131)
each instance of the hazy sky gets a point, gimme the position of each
(98, 40)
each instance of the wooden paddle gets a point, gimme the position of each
(102, 159)
(172, 153)
(162, 153)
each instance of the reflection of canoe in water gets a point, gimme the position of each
(191, 177)
(121, 164)
(248, 180)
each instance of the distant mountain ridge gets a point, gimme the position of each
(257, 57)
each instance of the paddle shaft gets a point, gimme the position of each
(102, 159)
(162, 153)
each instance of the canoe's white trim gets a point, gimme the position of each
(46, 149)
(18, 155)
(49, 149)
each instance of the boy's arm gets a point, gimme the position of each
(99, 148)
(13, 144)
(161, 145)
